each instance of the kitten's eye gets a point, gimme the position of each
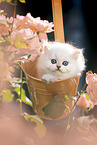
(65, 63)
(53, 61)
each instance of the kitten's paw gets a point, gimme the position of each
(48, 78)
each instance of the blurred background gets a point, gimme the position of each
(80, 28)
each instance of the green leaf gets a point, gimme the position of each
(10, 24)
(39, 128)
(66, 98)
(24, 98)
(22, 1)
(89, 108)
(8, 1)
(21, 57)
(7, 95)
(19, 44)
(55, 108)
(1, 39)
(87, 97)
(30, 38)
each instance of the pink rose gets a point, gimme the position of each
(25, 33)
(28, 35)
(43, 37)
(35, 24)
(34, 47)
(30, 39)
(4, 26)
(91, 80)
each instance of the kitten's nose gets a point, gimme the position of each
(58, 66)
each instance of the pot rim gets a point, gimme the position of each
(39, 80)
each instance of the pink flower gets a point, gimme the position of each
(25, 42)
(25, 33)
(35, 24)
(27, 36)
(4, 26)
(33, 47)
(4, 30)
(85, 102)
(33, 32)
(43, 37)
(91, 80)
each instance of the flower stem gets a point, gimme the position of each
(21, 90)
(14, 13)
(5, 7)
(75, 105)
(71, 112)
(84, 87)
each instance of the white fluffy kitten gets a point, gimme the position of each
(59, 61)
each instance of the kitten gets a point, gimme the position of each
(59, 61)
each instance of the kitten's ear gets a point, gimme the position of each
(77, 53)
(45, 47)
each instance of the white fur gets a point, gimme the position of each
(48, 72)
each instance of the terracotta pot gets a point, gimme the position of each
(43, 94)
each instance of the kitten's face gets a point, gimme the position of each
(60, 61)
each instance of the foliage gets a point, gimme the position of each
(24, 98)
(39, 128)
(7, 95)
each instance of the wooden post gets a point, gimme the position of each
(58, 20)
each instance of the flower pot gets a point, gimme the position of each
(48, 99)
